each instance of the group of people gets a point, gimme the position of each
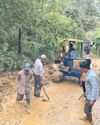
(25, 76)
(24, 80)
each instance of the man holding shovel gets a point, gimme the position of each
(38, 74)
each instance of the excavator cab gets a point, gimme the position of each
(72, 56)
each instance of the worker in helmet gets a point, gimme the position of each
(24, 85)
(38, 74)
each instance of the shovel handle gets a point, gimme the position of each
(45, 93)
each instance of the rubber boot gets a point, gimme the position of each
(28, 109)
(37, 92)
(89, 117)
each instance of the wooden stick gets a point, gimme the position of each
(45, 94)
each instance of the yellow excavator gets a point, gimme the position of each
(71, 55)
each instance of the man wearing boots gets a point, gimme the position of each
(38, 74)
(91, 86)
(24, 85)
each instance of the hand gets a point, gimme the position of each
(91, 103)
(43, 79)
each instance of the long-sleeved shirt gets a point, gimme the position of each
(38, 67)
(91, 85)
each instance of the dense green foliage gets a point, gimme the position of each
(44, 24)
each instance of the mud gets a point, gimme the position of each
(63, 108)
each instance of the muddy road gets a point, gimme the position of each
(64, 107)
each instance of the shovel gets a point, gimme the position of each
(45, 94)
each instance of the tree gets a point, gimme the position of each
(44, 25)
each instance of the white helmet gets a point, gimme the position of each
(43, 56)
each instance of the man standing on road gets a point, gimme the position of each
(38, 74)
(91, 86)
(24, 86)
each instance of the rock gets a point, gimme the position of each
(65, 107)
(50, 71)
(1, 95)
(57, 77)
(5, 99)
(53, 67)
(1, 108)
(1, 84)
(94, 66)
(5, 83)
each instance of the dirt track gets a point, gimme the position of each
(64, 107)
